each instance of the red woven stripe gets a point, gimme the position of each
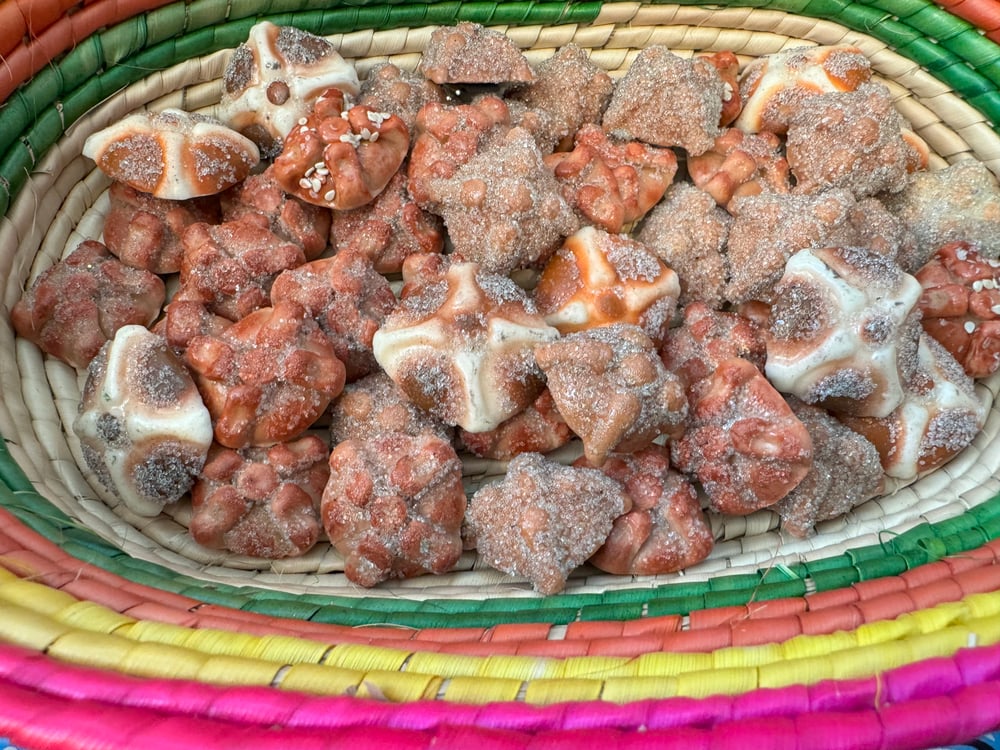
(976, 571)
(36, 33)
(983, 14)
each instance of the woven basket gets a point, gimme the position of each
(881, 630)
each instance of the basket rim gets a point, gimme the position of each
(935, 578)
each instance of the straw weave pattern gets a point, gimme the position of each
(882, 629)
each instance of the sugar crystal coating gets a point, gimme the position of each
(539, 428)
(742, 441)
(939, 415)
(273, 79)
(471, 53)
(291, 219)
(688, 231)
(844, 329)
(267, 378)
(852, 140)
(144, 231)
(142, 424)
(393, 506)
(262, 502)
(543, 519)
(665, 530)
(568, 86)
(348, 299)
(503, 208)
(846, 470)
(375, 404)
(958, 203)
(172, 154)
(612, 184)
(597, 279)
(612, 389)
(461, 344)
(667, 100)
(773, 86)
(73, 307)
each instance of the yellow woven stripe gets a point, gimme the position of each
(36, 596)
(805, 670)
(93, 617)
(481, 690)
(731, 681)
(983, 605)
(544, 692)
(159, 660)
(38, 617)
(30, 629)
(632, 689)
(668, 663)
(453, 665)
(287, 650)
(222, 642)
(806, 646)
(232, 670)
(95, 650)
(399, 687)
(516, 667)
(366, 658)
(317, 680)
(593, 668)
(746, 656)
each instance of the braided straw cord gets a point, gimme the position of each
(882, 630)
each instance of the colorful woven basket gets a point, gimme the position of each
(880, 631)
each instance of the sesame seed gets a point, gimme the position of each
(310, 171)
(303, 121)
(969, 326)
(344, 114)
(989, 284)
(374, 137)
(330, 195)
(977, 286)
(995, 309)
(305, 184)
(316, 184)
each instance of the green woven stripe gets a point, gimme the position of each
(897, 553)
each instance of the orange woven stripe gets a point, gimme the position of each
(13, 26)
(983, 14)
(31, 556)
(830, 620)
(41, 15)
(39, 32)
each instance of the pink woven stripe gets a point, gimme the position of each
(32, 680)
(38, 720)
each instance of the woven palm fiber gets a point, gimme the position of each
(881, 630)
